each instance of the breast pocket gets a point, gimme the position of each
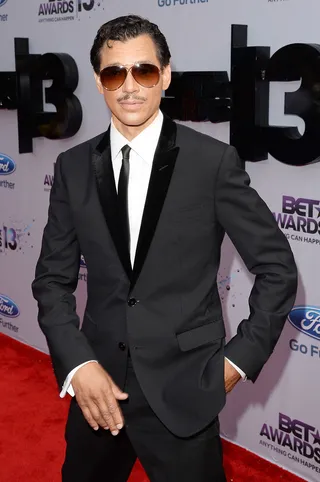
(202, 211)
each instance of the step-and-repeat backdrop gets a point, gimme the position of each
(278, 416)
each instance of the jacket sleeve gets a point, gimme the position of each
(55, 281)
(267, 254)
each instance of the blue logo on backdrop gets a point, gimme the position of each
(2, 2)
(8, 307)
(176, 3)
(7, 165)
(307, 320)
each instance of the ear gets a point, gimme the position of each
(166, 77)
(98, 83)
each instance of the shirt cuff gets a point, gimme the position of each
(243, 375)
(67, 387)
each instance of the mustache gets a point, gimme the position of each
(126, 97)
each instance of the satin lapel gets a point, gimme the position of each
(162, 169)
(102, 164)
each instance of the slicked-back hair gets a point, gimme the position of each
(125, 28)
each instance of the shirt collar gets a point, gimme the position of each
(144, 144)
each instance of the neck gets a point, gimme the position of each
(130, 132)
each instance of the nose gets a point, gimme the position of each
(130, 85)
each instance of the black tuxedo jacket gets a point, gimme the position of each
(166, 309)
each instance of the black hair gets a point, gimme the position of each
(126, 28)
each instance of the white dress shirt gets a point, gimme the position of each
(141, 158)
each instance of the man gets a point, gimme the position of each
(147, 204)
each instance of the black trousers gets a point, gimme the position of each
(97, 456)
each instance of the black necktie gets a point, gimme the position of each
(123, 194)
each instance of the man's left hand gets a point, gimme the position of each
(231, 376)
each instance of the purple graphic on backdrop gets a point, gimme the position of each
(295, 439)
(225, 285)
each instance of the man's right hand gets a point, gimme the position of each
(97, 396)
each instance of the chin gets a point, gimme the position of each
(133, 119)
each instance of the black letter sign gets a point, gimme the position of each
(23, 90)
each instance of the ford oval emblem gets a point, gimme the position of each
(2, 2)
(307, 320)
(8, 307)
(7, 165)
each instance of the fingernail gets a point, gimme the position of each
(119, 426)
(115, 432)
(106, 428)
(95, 428)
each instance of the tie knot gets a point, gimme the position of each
(126, 152)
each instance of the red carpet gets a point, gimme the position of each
(33, 418)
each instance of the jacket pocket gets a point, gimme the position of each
(201, 335)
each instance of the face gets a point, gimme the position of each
(133, 106)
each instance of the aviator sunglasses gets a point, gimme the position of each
(114, 76)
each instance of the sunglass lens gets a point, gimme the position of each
(113, 77)
(147, 75)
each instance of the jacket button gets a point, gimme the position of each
(132, 302)
(122, 346)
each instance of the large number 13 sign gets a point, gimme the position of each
(252, 70)
(23, 90)
(244, 101)
(195, 96)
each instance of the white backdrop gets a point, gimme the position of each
(277, 417)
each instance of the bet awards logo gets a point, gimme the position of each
(58, 10)
(300, 216)
(48, 180)
(294, 439)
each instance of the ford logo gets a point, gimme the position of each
(82, 262)
(7, 165)
(307, 320)
(8, 307)
(2, 2)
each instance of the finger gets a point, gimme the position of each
(95, 413)
(118, 393)
(89, 418)
(106, 419)
(114, 412)
(101, 417)
(102, 408)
